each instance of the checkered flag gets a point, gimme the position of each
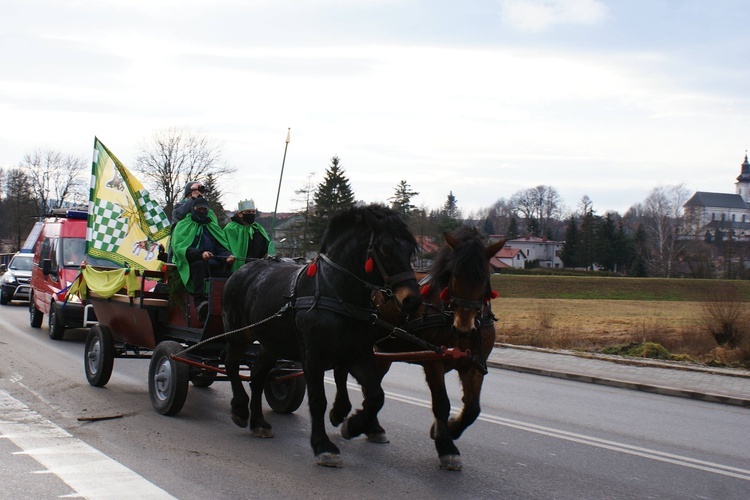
(153, 215)
(108, 229)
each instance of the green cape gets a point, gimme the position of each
(239, 236)
(183, 236)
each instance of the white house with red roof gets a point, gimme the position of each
(516, 253)
(508, 258)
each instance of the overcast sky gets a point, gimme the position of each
(605, 98)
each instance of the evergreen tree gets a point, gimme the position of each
(450, 208)
(213, 196)
(604, 235)
(512, 232)
(571, 244)
(533, 227)
(449, 217)
(488, 227)
(586, 250)
(19, 205)
(401, 200)
(624, 249)
(333, 195)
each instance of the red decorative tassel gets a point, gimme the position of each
(369, 265)
(494, 294)
(312, 269)
(425, 291)
(445, 295)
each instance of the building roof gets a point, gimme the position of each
(508, 253)
(533, 239)
(720, 200)
(744, 171)
(498, 264)
(426, 244)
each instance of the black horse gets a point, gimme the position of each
(321, 314)
(456, 313)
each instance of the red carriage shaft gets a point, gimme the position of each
(447, 353)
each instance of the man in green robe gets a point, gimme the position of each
(247, 239)
(200, 250)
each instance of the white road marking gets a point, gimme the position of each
(86, 470)
(724, 470)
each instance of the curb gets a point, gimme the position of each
(631, 361)
(623, 384)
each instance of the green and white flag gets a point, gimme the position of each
(125, 226)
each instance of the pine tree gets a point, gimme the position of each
(532, 225)
(401, 200)
(449, 217)
(213, 196)
(333, 195)
(624, 249)
(512, 232)
(586, 251)
(604, 240)
(488, 227)
(571, 244)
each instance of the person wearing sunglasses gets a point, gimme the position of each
(193, 189)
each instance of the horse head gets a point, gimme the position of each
(375, 245)
(461, 271)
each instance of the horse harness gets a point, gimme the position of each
(340, 306)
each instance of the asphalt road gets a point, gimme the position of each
(537, 437)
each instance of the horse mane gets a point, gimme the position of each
(366, 219)
(467, 256)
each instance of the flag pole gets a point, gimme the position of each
(278, 191)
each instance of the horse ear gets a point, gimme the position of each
(450, 240)
(493, 249)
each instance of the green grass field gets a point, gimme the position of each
(610, 288)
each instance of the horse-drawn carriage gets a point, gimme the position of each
(275, 313)
(152, 317)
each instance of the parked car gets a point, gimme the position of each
(15, 283)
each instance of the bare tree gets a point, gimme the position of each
(304, 196)
(585, 204)
(540, 203)
(172, 157)
(56, 179)
(663, 211)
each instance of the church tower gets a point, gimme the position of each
(743, 181)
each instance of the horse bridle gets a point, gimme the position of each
(388, 281)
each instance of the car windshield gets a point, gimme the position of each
(21, 263)
(74, 252)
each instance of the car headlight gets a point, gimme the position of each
(9, 278)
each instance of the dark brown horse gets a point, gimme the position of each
(321, 314)
(456, 313)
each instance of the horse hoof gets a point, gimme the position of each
(328, 459)
(378, 437)
(451, 462)
(345, 429)
(262, 432)
(239, 421)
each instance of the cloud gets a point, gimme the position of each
(539, 15)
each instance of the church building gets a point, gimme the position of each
(726, 215)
